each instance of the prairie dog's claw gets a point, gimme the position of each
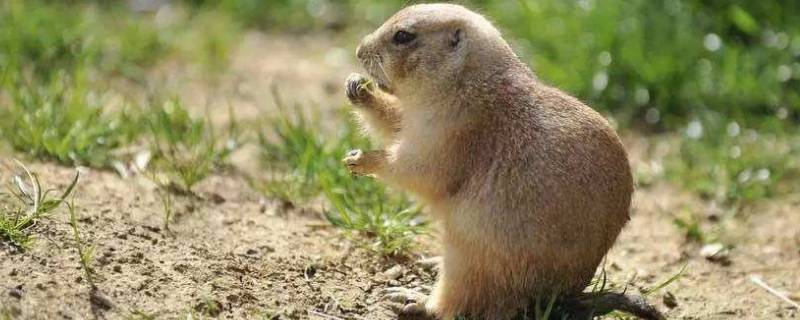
(358, 88)
(353, 160)
(407, 301)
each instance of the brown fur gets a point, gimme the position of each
(531, 186)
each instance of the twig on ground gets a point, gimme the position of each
(758, 281)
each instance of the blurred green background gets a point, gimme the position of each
(660, 61)
(719, 81)
(653, 64)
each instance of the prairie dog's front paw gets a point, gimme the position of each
(355, 162)
(358, 88)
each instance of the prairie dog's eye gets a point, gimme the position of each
(403, 37)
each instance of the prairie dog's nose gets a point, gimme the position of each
(360, 51)
(363, 48)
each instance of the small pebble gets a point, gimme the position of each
(99, 300)
(670, 301)
(717, 253)
(16, 292)
(394, 272)
(429, 264)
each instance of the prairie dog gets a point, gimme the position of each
(530, 186)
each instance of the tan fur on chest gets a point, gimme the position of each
(423, 155)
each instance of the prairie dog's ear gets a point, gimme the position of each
(455, 38)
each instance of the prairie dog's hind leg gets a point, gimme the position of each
(376, 109)
(410, 304)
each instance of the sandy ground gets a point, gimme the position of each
(248, 256)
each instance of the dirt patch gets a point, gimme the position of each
(230, 253)
(233, 253)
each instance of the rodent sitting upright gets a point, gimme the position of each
(530, 186)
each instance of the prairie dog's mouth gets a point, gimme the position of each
(379, 81)
(377, 73)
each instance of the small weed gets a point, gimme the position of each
(85, 251)
(663, 284)
(169, 210)
(97, 300)
(185, 149)
(691, 226)
(165, 196)
(25, 203)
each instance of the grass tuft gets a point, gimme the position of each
(85, 251)
(305, 163)
(293, 154)
(25, 203)
(64, 121)
(187, 150)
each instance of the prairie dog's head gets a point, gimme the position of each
(424, 47)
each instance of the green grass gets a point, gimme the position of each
(187, 150)
(57, 63)
(293, 154)
(63, 120)
(45, 37)
(389, 221)
(668, 71)
(300, 15)
(305, 163)
(670, 60)
(25, 203)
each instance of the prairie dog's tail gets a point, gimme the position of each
(588, 305)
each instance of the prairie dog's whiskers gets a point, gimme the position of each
(377, 59)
